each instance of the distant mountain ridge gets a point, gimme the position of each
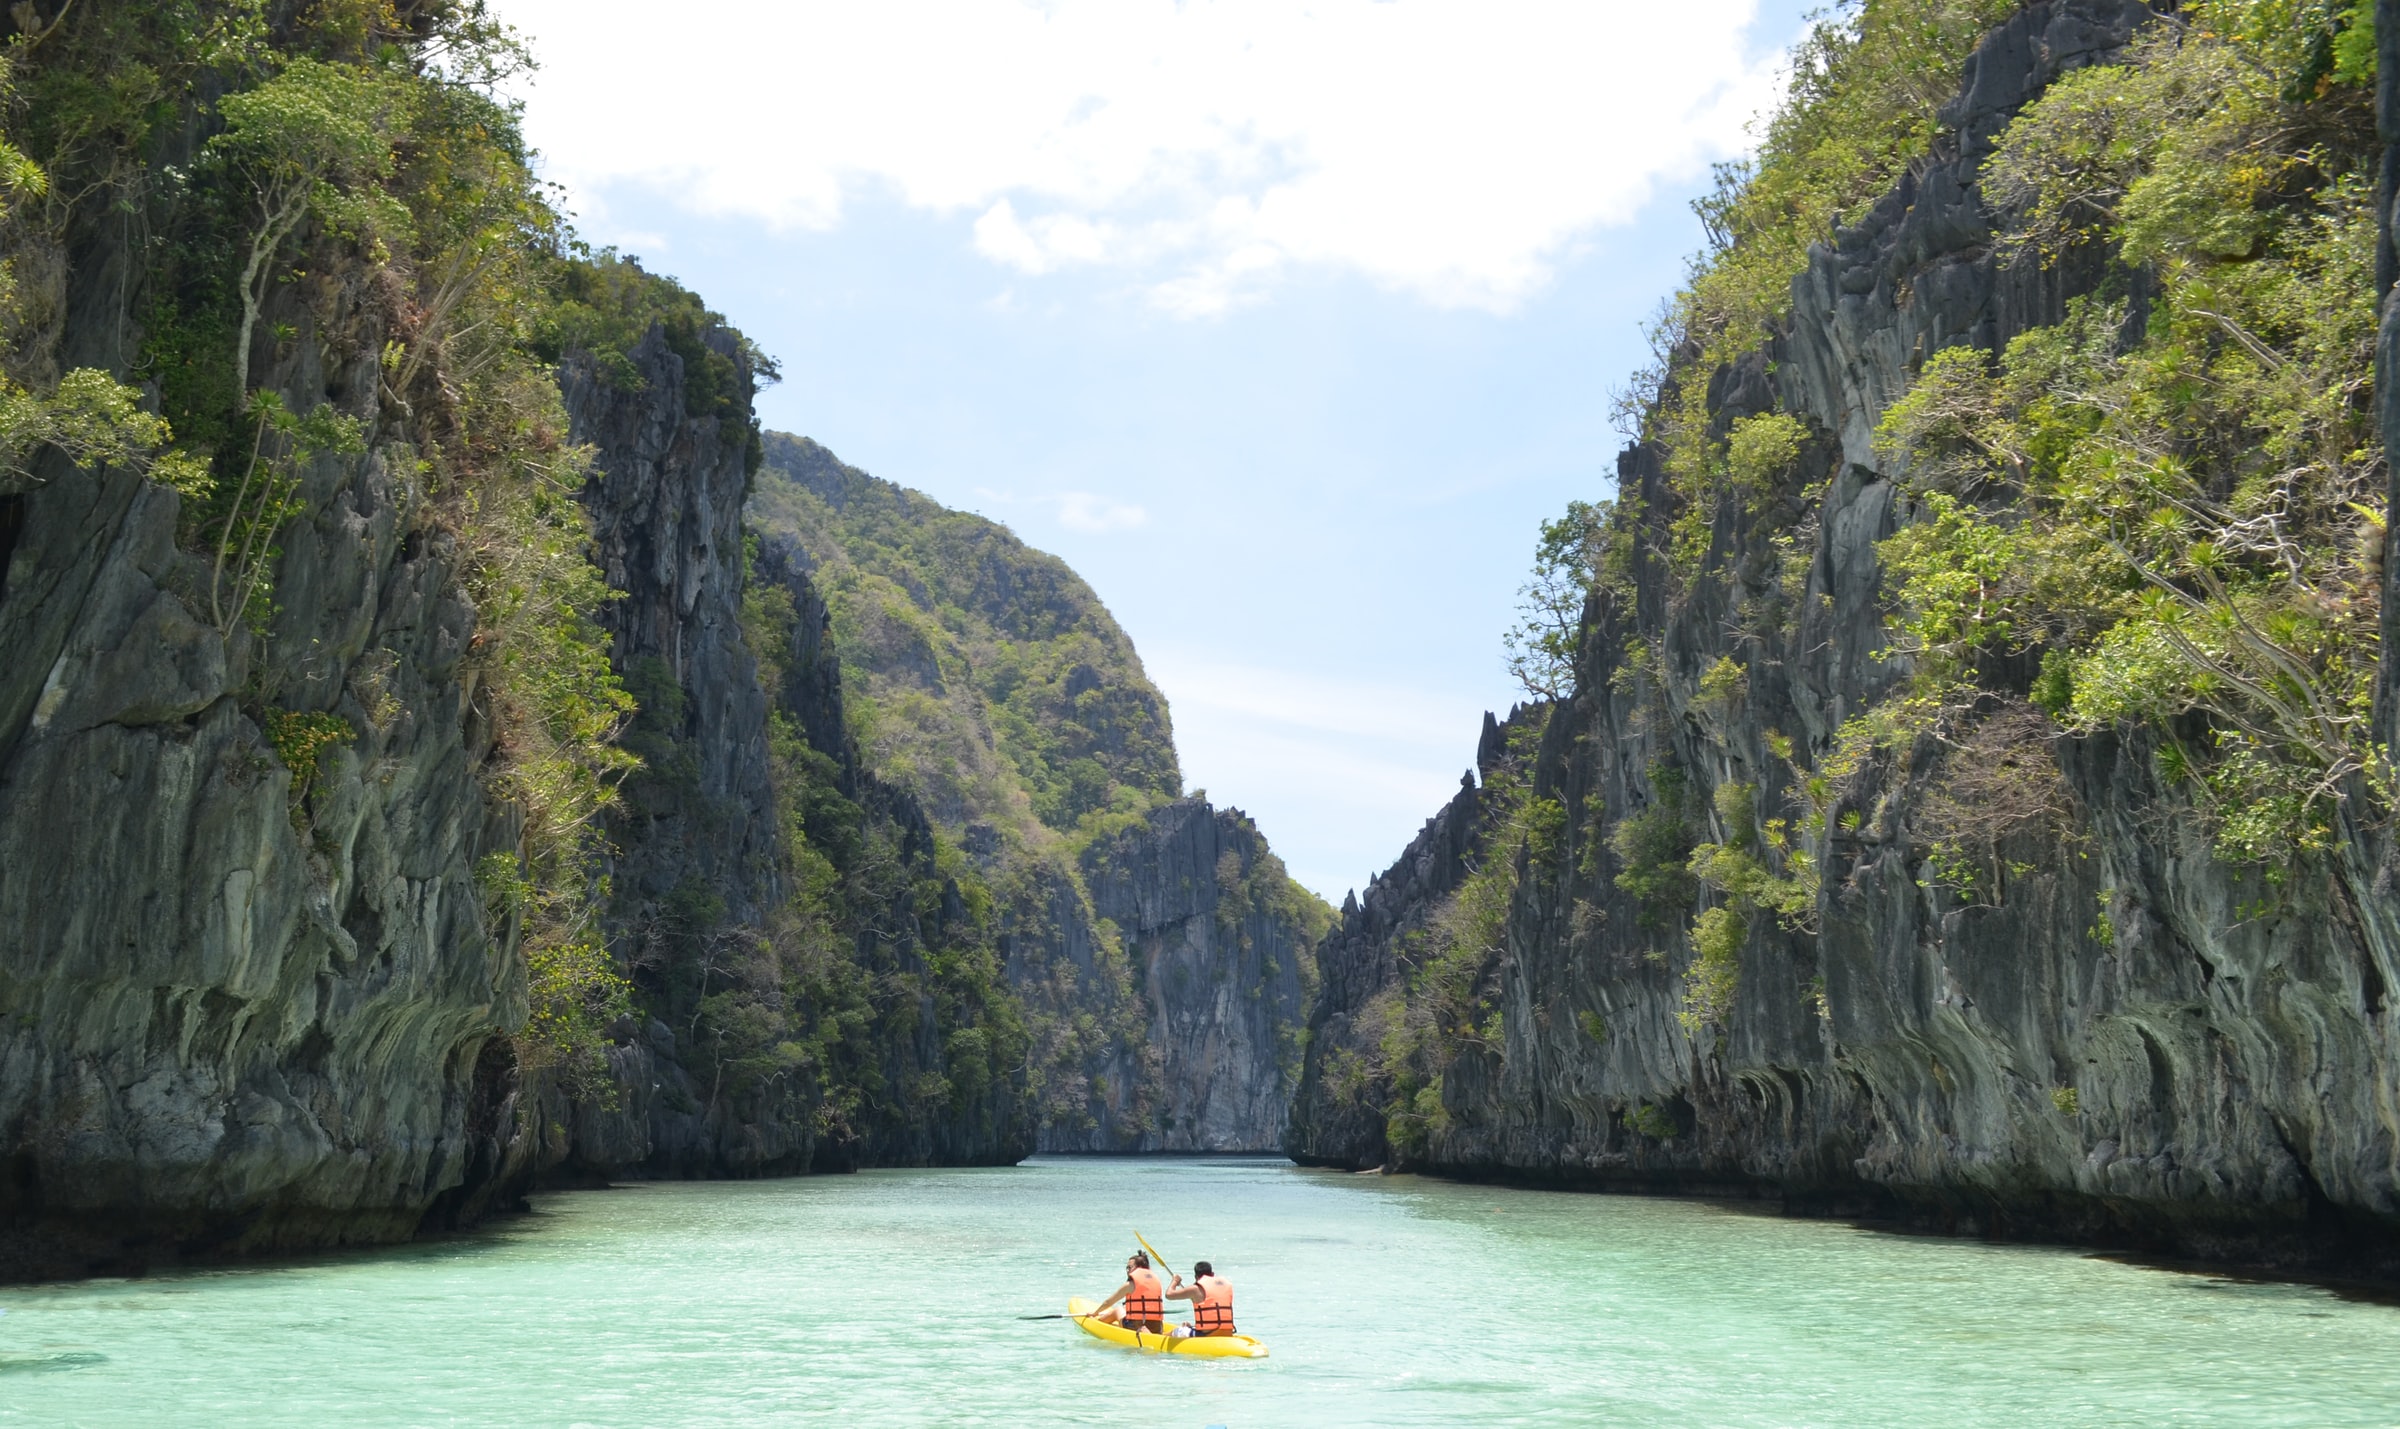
(984, 672)
(1164, 955)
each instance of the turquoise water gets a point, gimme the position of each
(889, 1299)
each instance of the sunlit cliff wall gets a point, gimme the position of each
(2115, 1046)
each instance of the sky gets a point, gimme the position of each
(1284, 324)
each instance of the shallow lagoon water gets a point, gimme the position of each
(889, 1298)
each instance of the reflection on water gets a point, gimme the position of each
(891, 1298)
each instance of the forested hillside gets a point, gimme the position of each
(1968, 792)
(986, 670)
(1165, 956)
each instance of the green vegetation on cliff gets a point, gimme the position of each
(1865, 88)
(988, 680)
(982, 673)
(985, 678)
(886, 939)
(2175, 498)
(354, 165)
(2171, 503)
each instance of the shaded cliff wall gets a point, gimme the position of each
(692, 857)
(705, 914)
(1338, 1111)
(1159, 948)
(235, 1018)
(1166, 979)
(1220, 955)
(261, 993)
(2113, 1051)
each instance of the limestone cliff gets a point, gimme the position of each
(305, 695)
(2117, 1047)
(708, 913)
(1338, 1112)
(243, 1003)
(692, 850)
(1219, 940)
(1159, 947)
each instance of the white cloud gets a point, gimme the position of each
(1056, 240)
(1084, 511)
(1452, 148)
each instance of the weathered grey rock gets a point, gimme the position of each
(1335, 1118)
(1917, 272)
(1220, 956)
(693, 848)
(2111, 1049)
(696, 850)
(228, 1020)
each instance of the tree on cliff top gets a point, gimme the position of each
(1541, 645)
(314, 141)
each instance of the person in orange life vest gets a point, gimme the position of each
(1145, 1297)
(1212, 1301)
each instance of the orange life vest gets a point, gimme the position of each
(1212, 1314)
(1147, 1300)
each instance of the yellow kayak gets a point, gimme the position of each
(1220, 1347)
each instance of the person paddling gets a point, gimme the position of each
(1212, 1301)
(1144, 1294)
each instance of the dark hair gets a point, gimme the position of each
(1142, 1259)
(1203, 1268)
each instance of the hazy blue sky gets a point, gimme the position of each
(1282, 323)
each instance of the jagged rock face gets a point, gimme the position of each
(1914, 1054)
(1161, 969)
(696, 847)
(1359, 963)
(692, 862)
(229, 1021)
(1917, 273)
(1221, 967)
(1168, 992)
(1097, 1070)
(666, 505)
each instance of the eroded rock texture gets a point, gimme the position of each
(692, 851)
(1162, 969)
(697, 858)
(1219, 959)
(2107, 1046)
(1337, 1112)
(233, 1016)
(243, 1016)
